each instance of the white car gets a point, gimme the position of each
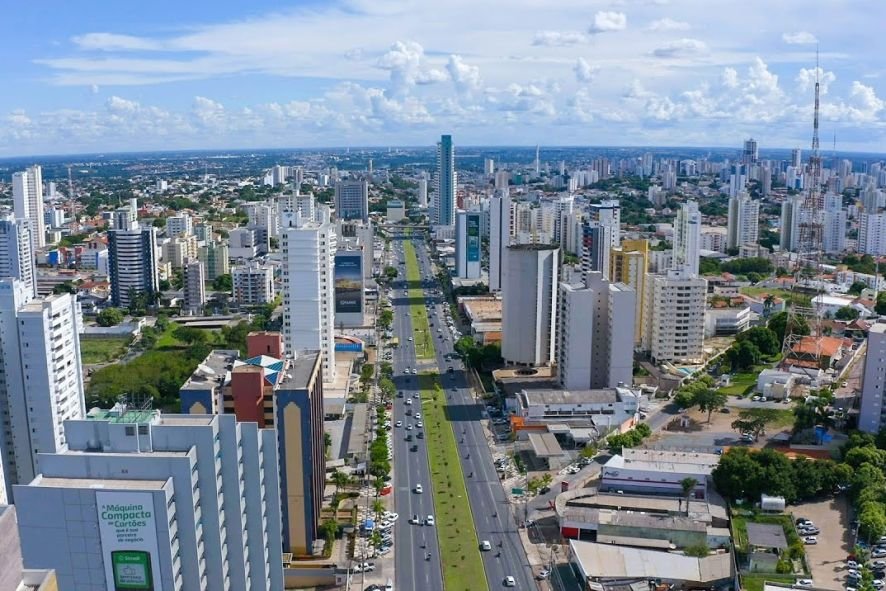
(509, 582)
(851, 565)
(878, 553)
(878, 583)
(398, 424)
(485, 545)
(409, 401)
(391, 516)
(810, 540)
(417, 415)
(418, 489)
(410, 339)
(419, 425)
(416, 395)
(429, 520)
(803, 583)
(367, 567)
(755, 399)
(544, 574)
(409, 427)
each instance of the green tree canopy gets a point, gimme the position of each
(109, 317)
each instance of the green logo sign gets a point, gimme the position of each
(132, 570)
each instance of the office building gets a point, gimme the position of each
(529, 304)
(355, 234)
(834, 222)
(791, 212)
(595, 334)
(796, 157)
(179, 225)
(349, 297)
(687, 238)
(750, 154)
(41, 382)
(596, 247)
(872, 418)
(308, 287)
(445, 183)
(674, 313)
(499, 235)
(253, 284)
(629, 265)
(872, 233)
(132, 260)
(194, 288)
(186, 502)
(608, 213)
(352, 200)
(467, 244)
(743, 226)
(16, 257)
(27, 199)
(215, 258)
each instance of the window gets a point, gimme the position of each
(130, 431)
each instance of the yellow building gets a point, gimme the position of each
(628, 265)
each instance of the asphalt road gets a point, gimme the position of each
(412, 569)
(493, 518)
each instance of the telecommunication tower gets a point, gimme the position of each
(798, 349)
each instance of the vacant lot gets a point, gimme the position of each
(103, 350)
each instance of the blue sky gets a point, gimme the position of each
(116, 76)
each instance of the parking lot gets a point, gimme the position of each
(827, 559)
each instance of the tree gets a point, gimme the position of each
(763, 338)
(109, 317)
(391, 272)
(709, 401)
(378, 507)
(857, 287)
(688, 485)
(778, 324)
(846, 313)
(191, 335)
(880, 306)
(743, 355)
(872, 521)
(66, 287)
(223, 283)
(340, 480)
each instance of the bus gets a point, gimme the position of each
(395, 342)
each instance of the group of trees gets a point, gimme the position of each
(223, 283)
(700, 394)
(109, 317)
(379, 464)
(631, 438)
(477, 355)
(534, 485)
(751, 346)
(385, 318)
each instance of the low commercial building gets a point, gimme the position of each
(775, 384)
(396, 210)
(604, 407)
(652, 471)
(726, 321)
(484, 315)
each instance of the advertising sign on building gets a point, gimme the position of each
(129, 541)
(473, 235)
(349, 283)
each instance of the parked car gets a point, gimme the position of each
(803, 583)
(810, 540)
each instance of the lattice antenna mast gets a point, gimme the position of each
(796, 350)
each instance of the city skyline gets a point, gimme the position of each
(616, 73)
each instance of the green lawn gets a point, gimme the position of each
(459, 547)
(102, 350)
(755, 582)
(421, 330)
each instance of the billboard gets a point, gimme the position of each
(473, 237)
(349, 282)
(129, 541)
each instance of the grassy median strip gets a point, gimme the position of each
(459, 548)
(421, 329)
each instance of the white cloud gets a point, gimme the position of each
(607, 20)
(559, 38)
(465, 77)
(682, 48)
(806, 79)
(799, 38)
(208, 112)
(116, 104)
(867, 105)
(668, 24)
(729, 78)
(584, 72)
(114, 42)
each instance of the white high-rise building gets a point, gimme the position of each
(489, 166)
(309, 248)
(687, 238)
(502, 179)
(608, 213)
(596, 253)
(27, 198)
(445, 183)
(499, 235)
(352, 200)
(41, 384)
(796, 157)
(177, 502)
(253, 284)
(467, 243)
(194, 287)
(791, 212)
(834, 221)
(132, 260)
(744, 221)
(872, 416)
(422, 193)
(872, 233)
(529, 304)
(595, 336)
(674, 308)
(16, 257)
(179, 225)
(563, 208)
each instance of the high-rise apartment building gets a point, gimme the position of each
(445, 183)
(186, 502)
(216, 259)
(750, 154)
(796, 157)
(596, 247)
(352, 200)
(595, 343)
(16, 257)
(529, 304)
(179, 225)
(422, 193)
(608, 213)
(467, 244)
(563, 208)
(687, 238)
(179, 250)
(872, 416)
(872, 233)
(253, 284)
(499, 235)
(674, 308)
(194, 287)
(308, 288)
(41, 382)
(132, 260)
(743, 226)
(27, 199)
(791, 212)
(630, 265)
(834, 222)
